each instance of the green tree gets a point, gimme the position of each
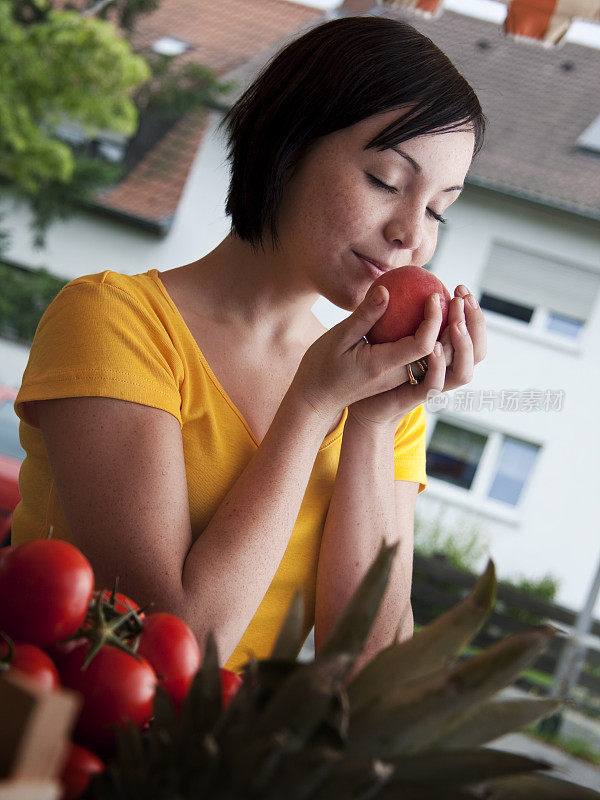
(73, 65)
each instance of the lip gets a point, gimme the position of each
(381, 267)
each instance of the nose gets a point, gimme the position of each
(405, 229)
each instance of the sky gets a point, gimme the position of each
(580, 31)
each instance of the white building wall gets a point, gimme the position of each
(555, 529)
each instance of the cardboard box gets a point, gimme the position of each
(35, 729)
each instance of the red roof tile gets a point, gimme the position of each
(225, 35)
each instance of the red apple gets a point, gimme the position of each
(408, 288)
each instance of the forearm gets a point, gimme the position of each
(361, 512)
(231, 565)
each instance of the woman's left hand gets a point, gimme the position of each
(461, 350)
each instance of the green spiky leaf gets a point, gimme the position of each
(434, 646)
(290, 639)
(494, 718)
(535, 787)
(420, 714)
(461, 767)
(354, 625)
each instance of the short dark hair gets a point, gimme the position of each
(333, 76)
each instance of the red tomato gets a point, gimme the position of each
(172, 649)
(230, 682)
(115, 687)
(30, 660)
(122, 602)
(77, 771)
(45, 588)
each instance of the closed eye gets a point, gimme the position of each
(376, 182)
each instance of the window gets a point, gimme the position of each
(489, 465)
(453, 454)
(169, 46)
(538, 292)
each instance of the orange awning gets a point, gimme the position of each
(543, 20)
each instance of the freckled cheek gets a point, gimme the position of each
(341, 215)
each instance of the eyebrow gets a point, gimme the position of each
(417, 168)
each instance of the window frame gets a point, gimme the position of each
(476, 498)
(536, 329)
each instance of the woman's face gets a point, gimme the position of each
(334, 208)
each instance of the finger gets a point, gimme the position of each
(434, 378)
(455, 311)
(362, 319)
(461, 371)
(461, 291)
(447, 345)
(436, 369)
(426, 334)
(476, 326)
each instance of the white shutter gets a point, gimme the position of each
(533, 280)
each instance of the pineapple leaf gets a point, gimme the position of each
(202, 705)
(420, 714)
(391, 792)
(540, 787)
(301, 774)
(354, 624)
(357, 778)
(261, 679)
(130, 757)
(460, 767)
(333, 731)
(163, 711)
(290, 639)
(430, 648)
(494, 718)
(304, 699)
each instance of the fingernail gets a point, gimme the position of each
(378, 295)
(462, 328)
(472, 301)
(437, 349)
(463, 289)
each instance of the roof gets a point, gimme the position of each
(232, 37)
(538, 100)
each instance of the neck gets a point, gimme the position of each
(258, 293)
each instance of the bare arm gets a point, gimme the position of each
(120, 474)
(367, 504)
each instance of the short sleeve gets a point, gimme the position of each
(97, 340)
(409, 448)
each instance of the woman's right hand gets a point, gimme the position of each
(341, 367)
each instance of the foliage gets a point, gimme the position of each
(24, 298)
(74, 66)
(409, 724)
(463, 543)
(578, 748)
(544, 588)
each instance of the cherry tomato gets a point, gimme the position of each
(31, 661)
(172, 649)
(115, 687)
(122, 602)
(77, 771)
(230, 682)
(45, 588)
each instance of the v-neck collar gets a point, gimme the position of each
(329, 439)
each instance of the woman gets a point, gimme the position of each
(197, 431)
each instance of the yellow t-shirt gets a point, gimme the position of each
(121, 336)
